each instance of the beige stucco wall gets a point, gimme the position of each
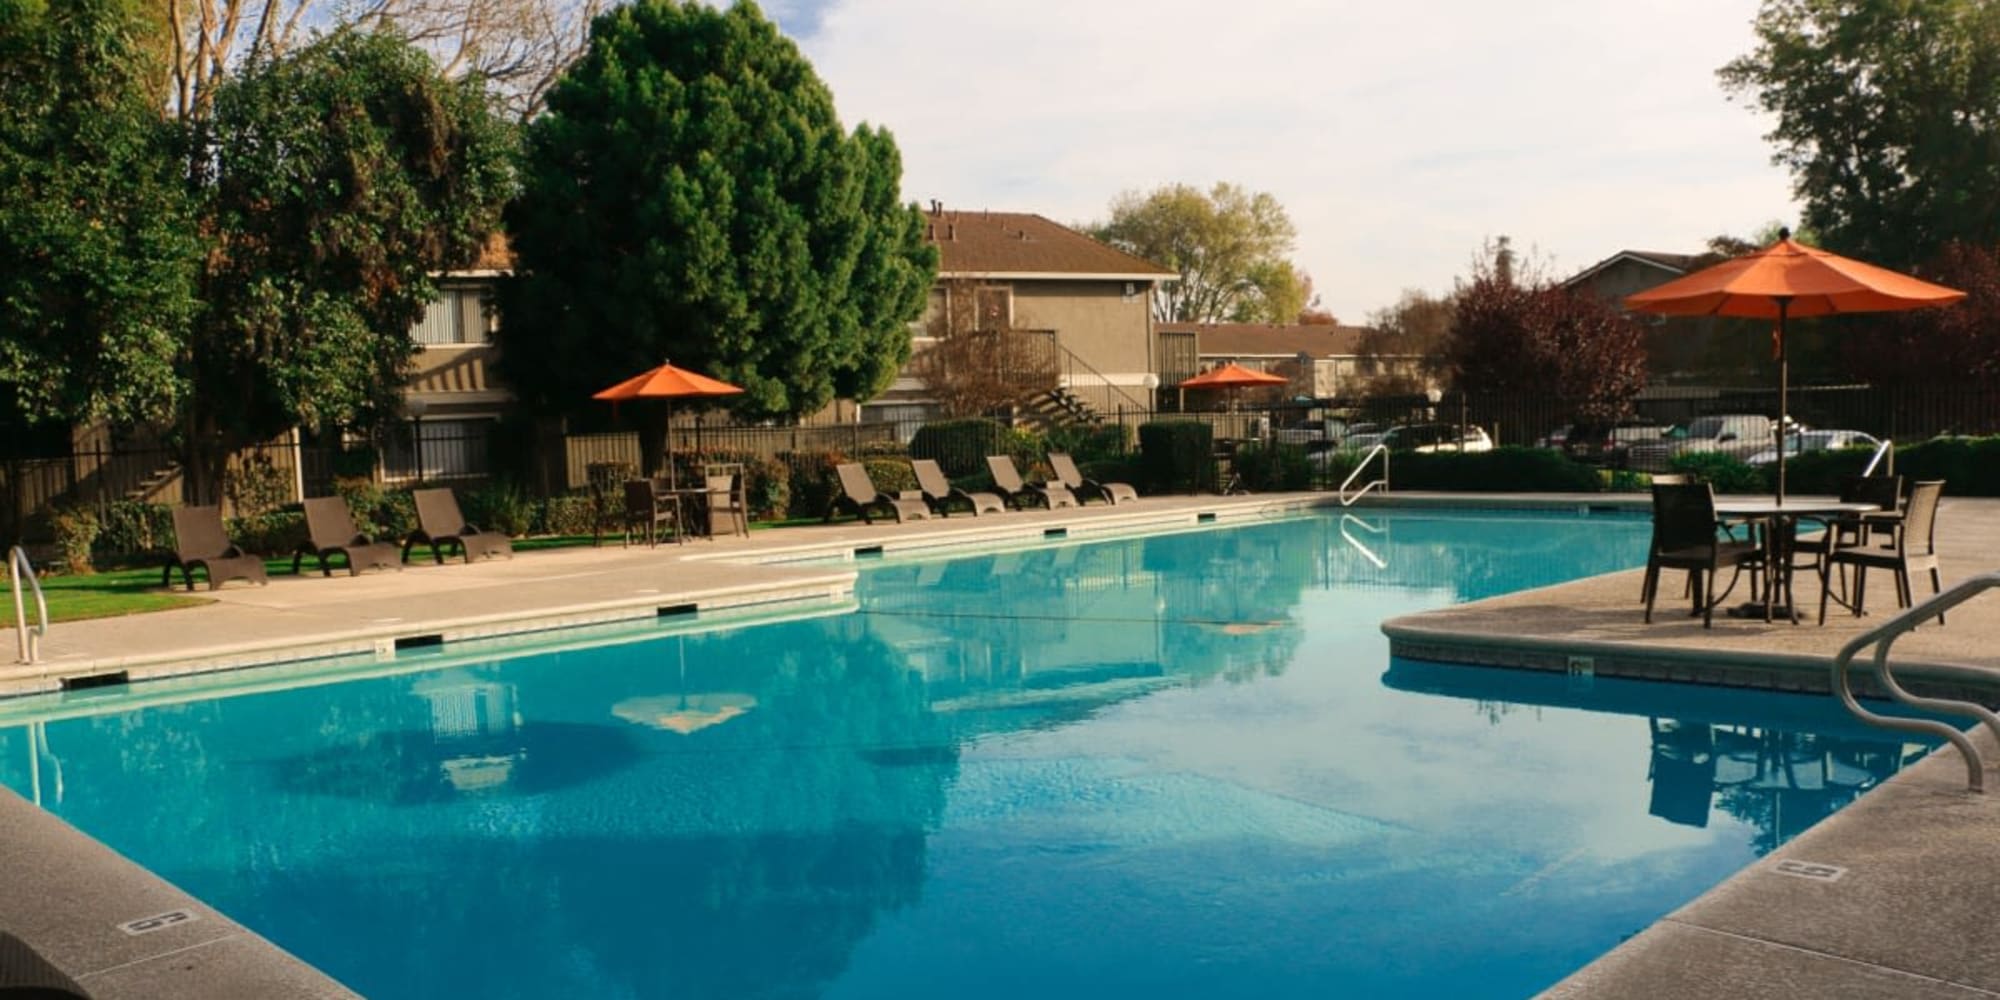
(1105, 328)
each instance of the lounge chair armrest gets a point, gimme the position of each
(909, 494)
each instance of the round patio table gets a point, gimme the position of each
(1782, 523)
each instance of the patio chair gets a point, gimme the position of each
(940, 494)
(201, 544)
(1686, 536)
(648, 508)
(440, 523)
(1020, 493)
(727, 499)
(330, 532)
(1912, 546)
(1074, 480)
(859, 496)
(1815, 553)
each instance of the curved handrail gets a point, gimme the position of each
(1881, 450)
(1379, 449)
(1888, 632)
(1366, 552)
(31, 645)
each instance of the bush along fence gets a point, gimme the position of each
(109, 505)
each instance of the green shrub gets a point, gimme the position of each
(272, 533)
(569, 514)
(960, 447)
(1268, 467)
(1513, 469)
(1091, 442)
(133, 528)
(1820, 472)
(891, 475)
(75, 531)
(1727, 473)
(1177, 455)
(255, 485)
(500, 506)
(1627, 481)
(382, 514)
(813, 483)
(1970, 467)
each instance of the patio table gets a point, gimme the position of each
(1781, 520)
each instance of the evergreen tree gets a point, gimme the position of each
(691, 196)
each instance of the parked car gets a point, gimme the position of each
(1798, 444)
(1607, 444)
(1737, 434)
(1436, 437)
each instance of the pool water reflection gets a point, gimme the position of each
(1173, 765)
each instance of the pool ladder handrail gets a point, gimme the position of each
(1885, 449)
(31, 639)
(1359, 546)
(1881, 636)
(1379, 449)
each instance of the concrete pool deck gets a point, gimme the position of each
(1891, 926)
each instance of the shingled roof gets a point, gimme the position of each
(1249, 340)
(1676, 263)
(1024, 245)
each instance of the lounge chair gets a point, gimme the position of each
(440, 523)
(859, 495)
(330, 532)
(940, 494)
(1020, 493)
(200, 543)
(1073, 479)
(1912, 546)
(1684, 537)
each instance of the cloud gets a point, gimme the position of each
(1398, 136)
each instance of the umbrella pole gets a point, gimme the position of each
(1784, 400)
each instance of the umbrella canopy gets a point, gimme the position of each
(1232, 376)
(667, 382)
(1789, 279)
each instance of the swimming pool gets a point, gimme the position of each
(1181, 765)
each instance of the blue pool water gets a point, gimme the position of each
(1176, 766)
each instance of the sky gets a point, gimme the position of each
(1399, 136)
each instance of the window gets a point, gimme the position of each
(456, 316)
(996, 308)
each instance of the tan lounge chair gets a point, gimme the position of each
(1073, 479)
(940, 494)
(859, 495)
(1020, 493)
(201, 544)
(330, 532)
(440, 523)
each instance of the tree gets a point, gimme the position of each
(1928, 349)
(1229, 245)
(691, 195)
(517, 48)
(345, 175)
(1417, 326)
(974, 364)
(1886, 117)
(97, 245)
(1544, 342)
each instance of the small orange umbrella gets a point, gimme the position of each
(1789, 279)
(669, 383)
(1231, 376)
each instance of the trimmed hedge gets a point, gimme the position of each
(1512, 469)
(1273, 467)
(960, 447)
(1727, 473)
(1177, 455)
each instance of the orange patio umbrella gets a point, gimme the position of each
(1787, 279)
(668, 383)
(1231, 376)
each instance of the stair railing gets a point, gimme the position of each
(31, 640)
(1071, 363)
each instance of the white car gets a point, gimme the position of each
(1800, 443)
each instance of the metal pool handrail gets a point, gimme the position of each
(1885, 448)
(31, 641)
(1881, 636)
(1379, 449)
